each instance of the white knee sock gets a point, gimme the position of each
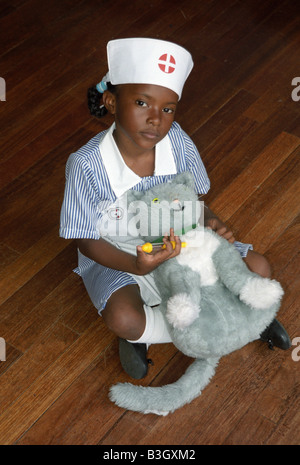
(156, 331)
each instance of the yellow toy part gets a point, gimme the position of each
(148, 247)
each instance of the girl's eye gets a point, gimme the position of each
(168, 110)
(141, 103)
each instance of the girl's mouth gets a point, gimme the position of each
(150, 135)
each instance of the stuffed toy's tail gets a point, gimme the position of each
(165, 399)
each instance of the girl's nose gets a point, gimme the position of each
(154, 117)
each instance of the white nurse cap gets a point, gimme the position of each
(147, 61)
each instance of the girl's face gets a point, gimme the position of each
(143, 115)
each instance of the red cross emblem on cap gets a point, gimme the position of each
(167, 63)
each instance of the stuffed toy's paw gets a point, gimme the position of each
(181, 311)
(261, 293)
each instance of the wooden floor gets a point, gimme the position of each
(238, 108)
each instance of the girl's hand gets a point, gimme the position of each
(145, 262)
(221, 229)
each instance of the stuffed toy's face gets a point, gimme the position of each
(170, 205)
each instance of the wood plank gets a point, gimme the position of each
(7, 255)
(21, 303)
(283, 250)
(94, 408)
(33, 363)
(265, 196)
(286, 385)
(247, 150)
(221, 147)
(35, 106)
(272, 405)
(34, 401)
(273, 99)
(205, 89)
(70, 295)
(76, 418)
(247, 182)
(290, 282)
(42, 201)
(280, 215)
(20, 154)
(287, 433)
(255, 53)
(239, 26)
(281, 67)
(295, 127)
(256, 432)
(226, 115)
(12, 354)
(82, 314)
(229, 407)
(19, 271)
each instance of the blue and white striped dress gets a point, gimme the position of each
(96, 176)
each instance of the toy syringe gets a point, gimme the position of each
(148, 247)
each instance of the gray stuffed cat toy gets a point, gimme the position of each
(211, 302)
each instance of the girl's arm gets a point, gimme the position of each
(107, 255)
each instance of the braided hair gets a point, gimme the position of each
(94, 100)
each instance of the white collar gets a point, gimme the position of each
(121, 177)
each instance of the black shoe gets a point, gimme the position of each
(133, 358)
(276, 335)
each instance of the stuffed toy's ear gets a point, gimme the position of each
(185, 178)
(133, 195)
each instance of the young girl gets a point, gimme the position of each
(143, 147)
